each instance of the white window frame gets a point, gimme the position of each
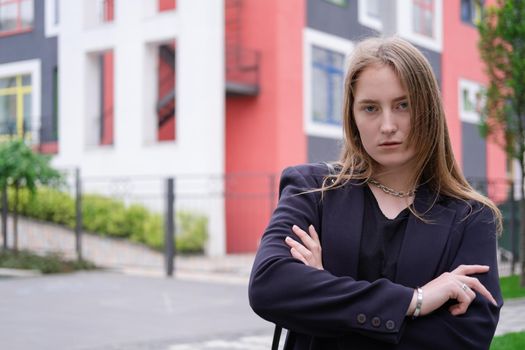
(33, 68)
(52, 28)
(473, 87)
(365, 19)
(405, 27)
(313, 37)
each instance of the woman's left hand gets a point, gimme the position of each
(310, 251)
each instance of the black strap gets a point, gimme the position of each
(276, 337)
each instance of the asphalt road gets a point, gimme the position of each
(109, 311)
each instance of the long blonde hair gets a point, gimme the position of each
(434, 160)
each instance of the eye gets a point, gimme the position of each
(369, 108)
(403, 106)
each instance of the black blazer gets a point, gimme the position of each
(330, 309)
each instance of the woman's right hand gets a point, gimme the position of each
(456, 285)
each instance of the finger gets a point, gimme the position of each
(298, 256)
(458, 309)
(464, 296)
(305, 238)
(307, 254)
(475, 284)
(470, 269)
(313, 234)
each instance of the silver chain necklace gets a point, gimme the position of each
(391, 191)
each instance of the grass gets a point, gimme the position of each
(50, 263)
(509, 341)
(510, 287)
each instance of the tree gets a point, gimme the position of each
(502, 48)
(21, 167)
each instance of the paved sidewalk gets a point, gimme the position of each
(512, 317)
(129, 258)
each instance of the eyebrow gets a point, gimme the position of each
(367, 100)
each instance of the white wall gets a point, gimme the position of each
(198, 28)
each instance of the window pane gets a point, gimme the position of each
(319, 98)
(319, 55)
(8, 115)
(7, 82)
(429, 24)
(26, 13)
(327, 85)
(8, 17)
(56, 15)
(465, 10)
(467, 103)
(337, 93)
(423, 17)
(372, 8)
(26, 80)
(342, 3)
(27, 113)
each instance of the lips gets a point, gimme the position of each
(390, 143)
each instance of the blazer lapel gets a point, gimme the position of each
(424, 243)
(341, 231)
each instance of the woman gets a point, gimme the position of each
(408, 257)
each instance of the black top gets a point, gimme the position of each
(380, 242)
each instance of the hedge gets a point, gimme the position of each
(110, 217)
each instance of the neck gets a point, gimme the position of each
(395, 179)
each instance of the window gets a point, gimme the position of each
(424, 23)
(369, 14)
(341, 3)
(327, 85)
(54, 134)
(471, 101)
(106, 10)
(52, 17)
(15, 106)
(16, 16)
(471, 11)
(324, 70)
(423, 17)
(167, 5)
(165, 106)
(106, 98)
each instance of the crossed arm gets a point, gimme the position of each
(455, 285)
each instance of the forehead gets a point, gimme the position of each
(378, 82)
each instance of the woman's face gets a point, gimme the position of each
(382, 116)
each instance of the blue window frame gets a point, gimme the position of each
(327, 85)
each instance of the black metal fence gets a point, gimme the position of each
(247, 201)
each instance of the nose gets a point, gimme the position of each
(388, 124)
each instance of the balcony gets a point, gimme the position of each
(242, 64)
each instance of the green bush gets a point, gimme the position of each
(109, 217)
(192, 232)
(50, 263)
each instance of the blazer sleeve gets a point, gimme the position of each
(474, 329)
(285, 291)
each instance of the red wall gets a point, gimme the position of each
(461, 59)
(264, 133)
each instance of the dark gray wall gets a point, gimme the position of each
(343, 22)
(474, 152)
(35, 45)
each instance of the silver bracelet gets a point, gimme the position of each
(419, 302)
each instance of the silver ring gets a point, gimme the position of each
(465, 287)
